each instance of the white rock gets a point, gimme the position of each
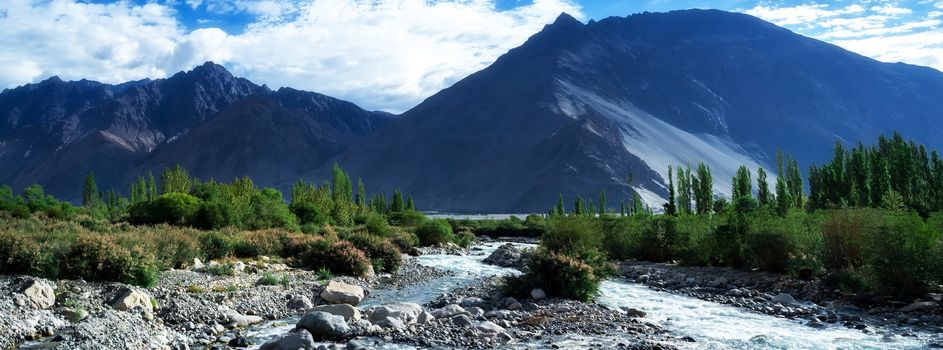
(424, 317)
(489, 328)
(197, 264)
(784, 298)
(408, 313)
(130, 299)
(349, 312)
(342, 293)
(538, 294)
(40, 293)
(449, 311)
(918, 306)
(300, 302)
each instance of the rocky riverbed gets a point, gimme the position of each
(788, 297)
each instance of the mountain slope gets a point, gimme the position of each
(54, 132)
(579, 107)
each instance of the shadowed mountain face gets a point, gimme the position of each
(220, 126)
(578, 108)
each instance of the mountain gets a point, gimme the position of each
(207, 120)
(579, 107)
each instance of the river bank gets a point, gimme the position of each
(445, 298)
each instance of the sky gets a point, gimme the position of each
(381, 54)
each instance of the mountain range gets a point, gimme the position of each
(576, 109)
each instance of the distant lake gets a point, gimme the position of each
(458, 216)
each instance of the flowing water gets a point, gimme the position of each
(712, 325)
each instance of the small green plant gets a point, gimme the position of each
(227, 288)
(221, 269)
(195, 289)
(324, 274)
(271, 279)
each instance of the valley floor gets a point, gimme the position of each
(442, 299)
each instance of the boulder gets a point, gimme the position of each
(920, 305)
(348, 312)
(323, 325)
(391, 322)
(39, 293)
(240, 320)
(784, 298)
(506, 255)
(424, 317)
(197, 264)
(538, 294)
(489, 328)
(449, 311)
(292, 341)
(462, 320)
(475, 311)
(342, 293)
(408, 313)
(300, 302)
(129, 299)
(632, 312)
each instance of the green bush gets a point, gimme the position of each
(572, 235)
(558, 275)
(99, 258)
(464, 238)
(409, 218)
(345, 259)
(309, 213)
(270, 279)
(900, 256)
(20, 255)
(215, 245)
(770, 251)
(434, 232)
(386, 257)
(172, 208)
(377, 224)
(269, 242)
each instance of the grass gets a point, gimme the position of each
(195, 289)
(271, 279)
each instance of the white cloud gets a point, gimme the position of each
(381, 54)
(885, 31)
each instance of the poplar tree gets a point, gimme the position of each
(762, 190)
(90, 195)
(704, 189)
(670, 208)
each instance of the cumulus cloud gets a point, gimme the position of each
(381, 54)
(887, 31)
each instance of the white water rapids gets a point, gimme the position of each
(712, 325)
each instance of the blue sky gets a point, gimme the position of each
(381, 54)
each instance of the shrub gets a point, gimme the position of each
(558, 275)
(658, 239)
(771, 251)
(843, 235)
(410, 218)
(465, 237)
(19, 255)
(900, 254)
(215, 245)
(377, 224)
(99, 258)
(309, 213)
(386, 257)
(345, 259)
(269, 242)
(297, 245)
(172, 208)
(434, 232)
(174, 247)
(405, 241)
(572, 236)
(226, 269)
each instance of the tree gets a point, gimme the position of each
(90, 196)
(704, 189)
(410, 206)
(762, 193)
(398, 204)
(578, 209)
(602, 202)
(560, 210)
(684, 190)
(175, 180)
(670, 207)
(361, 194)
(742, 183)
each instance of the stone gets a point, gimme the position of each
(424, 317)
(356, 345)
(300, 302)
(783, 298)
(391, 322)
(239, 342)
(719, 282)
(129, 299)
(489, 328)
(75, 315)
(515, 306)
(510, 301)
(475, 311)
(448, 311)
(239, 267)
(690, 281)
(408, 313)
(472, 301)
(39, 293)
(292, 341)
(537, 294)
(920, 305)
(323, 325)
(461, 320)
(342, 293)
(632, 312)
(506, 255)
(348, 312)
(197, 264)
(240, 320)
